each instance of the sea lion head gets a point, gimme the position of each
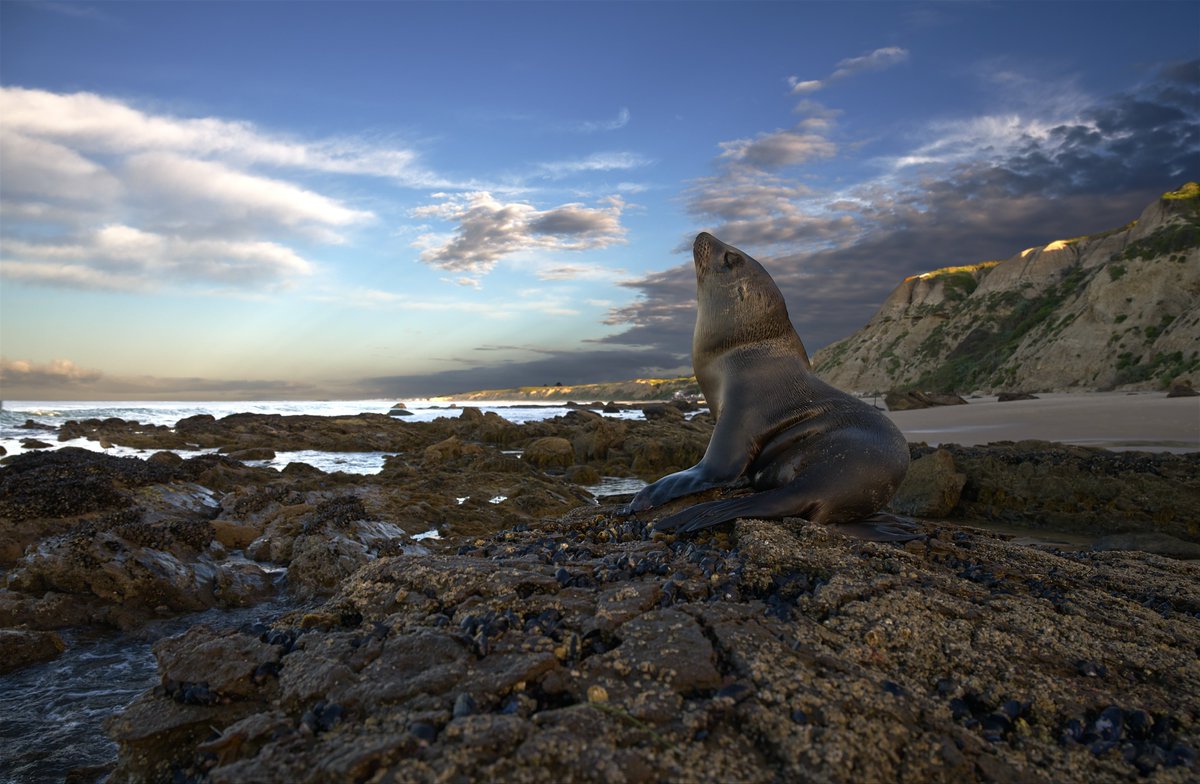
(737, 301)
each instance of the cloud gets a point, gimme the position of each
(124, 258)
(493, 309)
(212, 192)
(576, 272)
(62, 379)
(1145, 139)
(752, 207)
(93, 123)
(37, 169)
(878, 60)
(806, 86)
(975, 188)
(200, 199)
(70, 276)
(487, 229)
(620, 121)
(58, 372)
(778, 149)
(597, 162)
(569, 367)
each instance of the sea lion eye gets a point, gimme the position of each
(732, 259)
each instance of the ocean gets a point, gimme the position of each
(14, 414)
(51, 714)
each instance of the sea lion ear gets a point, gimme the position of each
(742, 293)
(732, 259)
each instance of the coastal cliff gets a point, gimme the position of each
(1114, 309)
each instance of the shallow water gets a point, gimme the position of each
(1043, 537)
(52, 714)
(15, 413)
(616, 485)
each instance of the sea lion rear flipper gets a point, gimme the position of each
(882, 527)
(780, 502)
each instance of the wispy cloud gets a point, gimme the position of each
(597, 162)
(594, 126)
(878, 60)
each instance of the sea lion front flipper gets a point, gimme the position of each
(725, 460)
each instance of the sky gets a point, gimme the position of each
(260, 200)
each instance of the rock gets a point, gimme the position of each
(931, 488)
(550, 452)
(159, 735)
(599, 438)
(400, 410)
(1159, 544)
(1008, 397)
(583, 475)
(907, 401)
(1181, 388)
(663, 411)
(22, 647)
(33, 443)
(234, 535)
(31, 424)
(254, 453)
(1071, 488)
(763, 652)
(450, 449)
(227, 661)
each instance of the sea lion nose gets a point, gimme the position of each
(702, 247)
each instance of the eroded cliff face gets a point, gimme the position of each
(1116, 309)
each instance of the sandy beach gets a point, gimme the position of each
(1118, 421)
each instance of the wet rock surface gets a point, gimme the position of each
(544, 638)
(932, 487)
(21, 647)
(582, 649)
(1073, 488)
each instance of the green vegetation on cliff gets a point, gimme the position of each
(979, 359)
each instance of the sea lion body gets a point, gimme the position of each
(808, 449)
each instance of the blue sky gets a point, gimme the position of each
(308, 200)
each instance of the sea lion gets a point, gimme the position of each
(808, 450)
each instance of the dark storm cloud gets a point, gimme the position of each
(568, 367)
(1130, 142)
(1080, 178)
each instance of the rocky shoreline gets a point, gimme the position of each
(544, 638)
